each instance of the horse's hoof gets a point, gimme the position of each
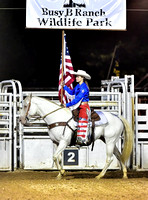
(59, 177)
(125, 177)
(62, 172)
(98, 177)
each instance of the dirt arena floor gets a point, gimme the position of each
(41, 185)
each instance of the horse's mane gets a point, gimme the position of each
(48, 100)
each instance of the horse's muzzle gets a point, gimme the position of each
(22, 120)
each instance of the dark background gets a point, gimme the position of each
(32, 56)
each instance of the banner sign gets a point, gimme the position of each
(76, 14)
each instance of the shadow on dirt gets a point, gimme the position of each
(108, 175)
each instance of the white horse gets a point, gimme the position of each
(61, 126)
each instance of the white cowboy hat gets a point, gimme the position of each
(82, 73)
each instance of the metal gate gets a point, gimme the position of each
(10, 128)
(141, 130)
(6, 137)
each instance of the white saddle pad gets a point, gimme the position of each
(103, 120)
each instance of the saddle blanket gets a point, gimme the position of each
(103, 120)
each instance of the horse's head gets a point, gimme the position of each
(29, 109)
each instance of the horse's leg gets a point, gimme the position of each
(118, 156)
(61, 147)
(62, 171)
(109, 153)
(56, 161)
(59, 159)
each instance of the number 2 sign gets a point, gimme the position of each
(71, 157)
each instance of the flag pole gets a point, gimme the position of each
(62, 65)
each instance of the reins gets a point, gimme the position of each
(51, 125)
(29, 105)
(39, 118)
(51, 113)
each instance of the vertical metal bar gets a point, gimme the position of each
(136, 131)
(142, 155)
(20, 126)
(87, 156)
(10, 131)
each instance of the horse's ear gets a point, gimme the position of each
(31, 96)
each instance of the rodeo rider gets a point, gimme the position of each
(81, 98)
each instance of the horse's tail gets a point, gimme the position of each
(128, 140)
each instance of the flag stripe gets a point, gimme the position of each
(81, 136)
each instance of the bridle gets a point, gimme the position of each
(43, 117)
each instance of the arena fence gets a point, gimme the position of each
(6, 131)
(141, 130)
(11, 91)
(31, 147)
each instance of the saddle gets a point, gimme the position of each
(94, 117)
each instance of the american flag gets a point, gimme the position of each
(68, 77)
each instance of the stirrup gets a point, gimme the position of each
(80, 142)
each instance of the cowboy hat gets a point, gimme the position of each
(83, 74)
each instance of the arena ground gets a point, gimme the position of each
(78, 185)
